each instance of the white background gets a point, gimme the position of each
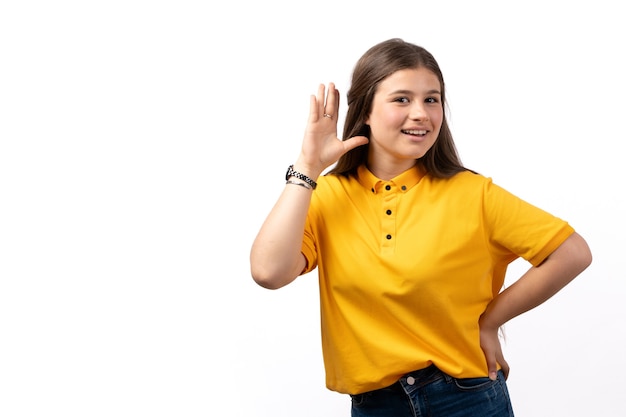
(143, 143)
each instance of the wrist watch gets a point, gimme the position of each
(298, 175)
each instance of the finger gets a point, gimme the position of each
(321, 99)
(332, 100)
(492, 367)
(504, 365)
(490, 357)
(313, 110)
(505, 370)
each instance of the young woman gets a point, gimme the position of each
(411, 247)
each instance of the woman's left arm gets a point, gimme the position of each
(533, 288)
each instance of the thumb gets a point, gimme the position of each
(354, 142)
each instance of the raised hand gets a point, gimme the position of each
(321, 147)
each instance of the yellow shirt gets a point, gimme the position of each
(407, 266)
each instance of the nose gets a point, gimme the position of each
(418, 111)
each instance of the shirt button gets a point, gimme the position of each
(388, 237)
(410, 380)
(387, 187)
(388, 212)
(404, 187)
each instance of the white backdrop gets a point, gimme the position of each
(143, 143)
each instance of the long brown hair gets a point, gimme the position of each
(379, 62)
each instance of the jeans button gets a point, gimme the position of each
(410, 380)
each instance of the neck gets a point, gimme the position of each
(390, 170)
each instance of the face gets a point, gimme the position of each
(405, 120)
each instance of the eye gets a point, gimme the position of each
(401, 99)
(432, 100)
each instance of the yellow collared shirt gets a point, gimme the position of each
(407, 266)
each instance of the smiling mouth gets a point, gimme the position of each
(415, 132)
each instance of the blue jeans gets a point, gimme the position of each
(431, 393)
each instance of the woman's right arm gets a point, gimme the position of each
(276, 258)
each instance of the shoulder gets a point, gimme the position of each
(464, 182)
(333, 191)
(469, 177)
(333, 182)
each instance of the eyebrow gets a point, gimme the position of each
(409, 92)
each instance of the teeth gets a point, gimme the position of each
(415, 132)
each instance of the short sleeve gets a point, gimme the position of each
(517, 228)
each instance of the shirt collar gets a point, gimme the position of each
(404, 181)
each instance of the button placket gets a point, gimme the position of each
(390, 198)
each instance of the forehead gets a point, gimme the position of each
(410, 79)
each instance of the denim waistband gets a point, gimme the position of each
(421, 377)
